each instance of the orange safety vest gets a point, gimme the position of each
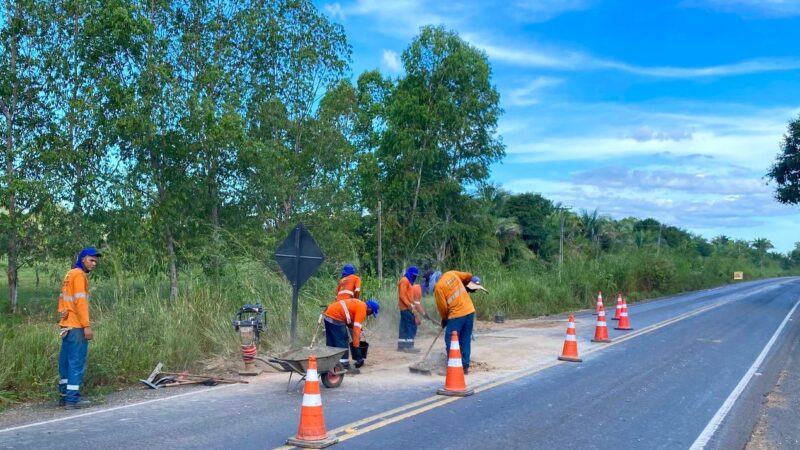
(405, 294)
(352, 312)
(349, 287)
(74, 299)
(452, 298)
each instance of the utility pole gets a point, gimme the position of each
(380, 243)
(658, 248)
(561, 240)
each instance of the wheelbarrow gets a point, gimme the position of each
(295, 361)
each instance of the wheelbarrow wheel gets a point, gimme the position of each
(334, 377)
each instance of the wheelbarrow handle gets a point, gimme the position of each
(316, 332)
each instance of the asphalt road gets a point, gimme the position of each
(684, 377)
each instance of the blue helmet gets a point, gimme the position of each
(348, 269)
(476, 279)
(374, 306)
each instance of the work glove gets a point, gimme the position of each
(359, 363)
(444, 323)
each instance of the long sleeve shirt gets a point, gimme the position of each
(74, 299)
(352, 312)
(452, 298)
(405, 294)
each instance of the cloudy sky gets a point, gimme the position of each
(671, 109)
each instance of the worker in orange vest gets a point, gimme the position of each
(76, 330)
(345, 318)
(349, 285)
(456, 309)
(409, 296)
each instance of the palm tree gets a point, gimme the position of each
(762, 246)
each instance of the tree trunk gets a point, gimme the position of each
(10, 111)
(173, 268)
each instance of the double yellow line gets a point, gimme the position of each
(380, 420)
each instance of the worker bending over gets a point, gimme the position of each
(344, 318)
(409, 296)
(456, 309)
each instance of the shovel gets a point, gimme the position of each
(419, 367)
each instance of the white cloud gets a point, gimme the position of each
(767, 8)
(391, 61)
(335, 11)
(531, 93)
(541, 10)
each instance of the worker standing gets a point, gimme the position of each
(349, 285)
(76, 330)
(409, 296)
(456, 309)
(345, 318)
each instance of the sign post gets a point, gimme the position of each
(299, 257)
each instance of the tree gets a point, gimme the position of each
(786, 169)
(21, 125)
(531, 212)
(440, 139)
(762, 246)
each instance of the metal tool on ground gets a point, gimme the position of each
(422, 366)
(249, 322)
(158, 379)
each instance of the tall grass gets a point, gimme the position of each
(136, 325)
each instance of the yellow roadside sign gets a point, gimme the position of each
(738, 275)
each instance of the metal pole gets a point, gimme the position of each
(380, 243)
(561, 246)
(295, 287)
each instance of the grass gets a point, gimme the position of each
(136, 325)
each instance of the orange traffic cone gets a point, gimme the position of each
(570, 351)
(619, 307)
(311, 431)
(624, 322)
(601, 330)
(454, 384)
(599, 304)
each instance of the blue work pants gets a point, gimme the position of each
(72, 364)
(408, 329)
(462, 326)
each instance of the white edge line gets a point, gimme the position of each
(723, 411)
(100, 411)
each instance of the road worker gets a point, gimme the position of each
(456, 309)
(344, 319)
(349, 285)
(76, 330)
(409, 296)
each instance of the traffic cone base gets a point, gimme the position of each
(311, 431)
(623, 329)
(454, 384)
(322, 443)
(601, 340)
(570, 351)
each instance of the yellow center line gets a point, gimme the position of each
(412, 409)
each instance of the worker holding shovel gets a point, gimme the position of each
(456, 308)
(410, 306)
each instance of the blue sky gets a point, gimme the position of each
(671, 109)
